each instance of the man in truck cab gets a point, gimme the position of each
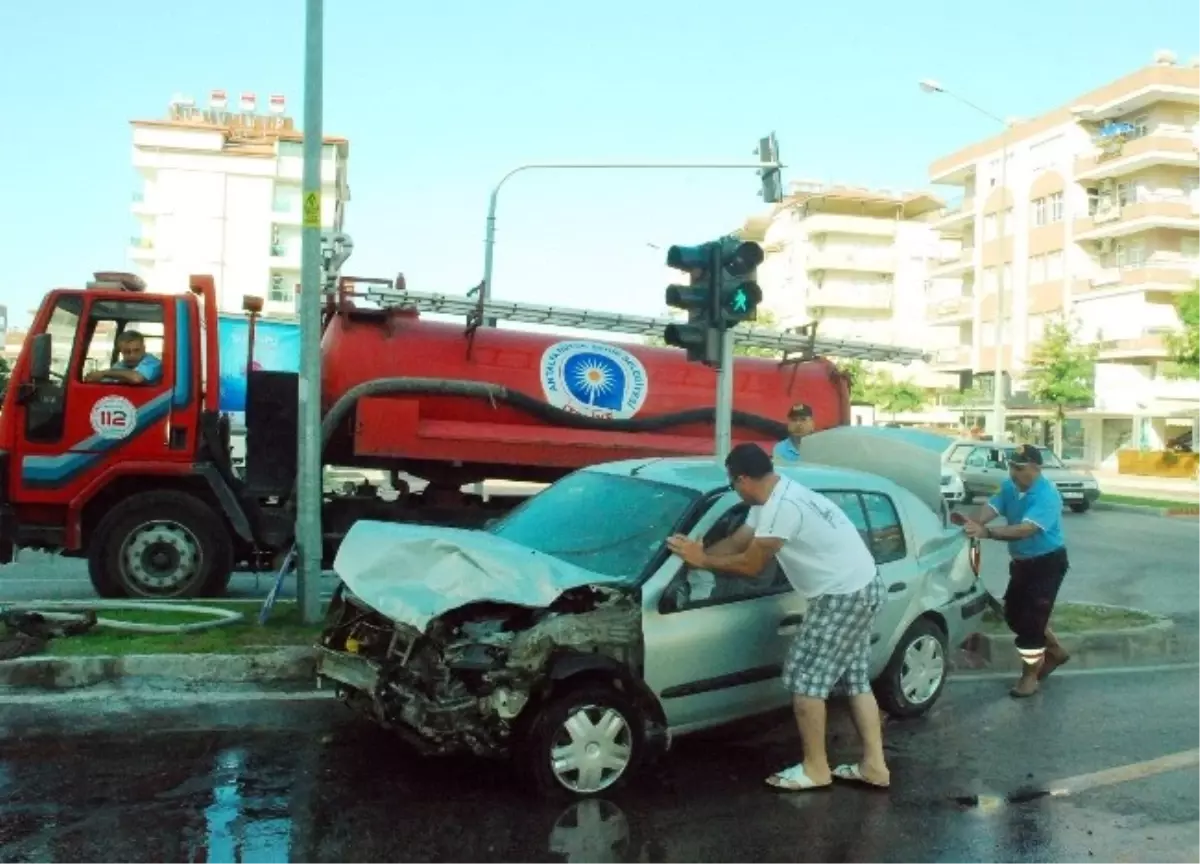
(799, 423)
(135, 366)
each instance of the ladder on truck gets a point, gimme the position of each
(794, 346)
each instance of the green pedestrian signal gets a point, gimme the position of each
(739, 301)
(737, 295)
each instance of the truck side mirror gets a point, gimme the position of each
(39, 358)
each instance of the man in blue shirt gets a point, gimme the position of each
(799, 423)
(135, 367)
(1033, 507)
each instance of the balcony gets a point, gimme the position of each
(956, 265)
(139, 205)
(950, 309)
(843, 295)
(1118, 156)
(952, 359)
(1148, 211)
(285, 258)
(835, 223)
(852, 260)
(955, 215)
(1149, 345)
(1166, 274)
(283, 213)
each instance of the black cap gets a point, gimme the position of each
(800, 411)
(1026, 454)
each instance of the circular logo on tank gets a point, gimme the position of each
(113, 417)
(594, 379)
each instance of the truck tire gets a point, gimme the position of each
(160, 545)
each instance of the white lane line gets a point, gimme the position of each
(967, 677)
(1125, 773)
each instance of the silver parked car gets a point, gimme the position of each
(983, 466)
(568, 636)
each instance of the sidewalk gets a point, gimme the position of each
(1168, 489)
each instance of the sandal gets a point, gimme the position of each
(853, 774)
(795, 779)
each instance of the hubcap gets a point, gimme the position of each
(591, 749)
(161, 557)
(924, 668)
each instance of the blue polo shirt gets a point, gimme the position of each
(149, 368)
(1042, 505)
(785, 451)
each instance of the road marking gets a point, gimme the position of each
(1125, 773)
(151, 699)
(968, 677)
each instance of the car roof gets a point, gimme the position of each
(705, 475)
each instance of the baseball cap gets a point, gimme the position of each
(800, 411)
(1026, 454)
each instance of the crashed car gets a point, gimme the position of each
(566, 635)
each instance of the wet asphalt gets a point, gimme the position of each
(307, 781)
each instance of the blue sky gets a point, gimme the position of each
(440, 100)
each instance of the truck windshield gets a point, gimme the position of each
(606, 523)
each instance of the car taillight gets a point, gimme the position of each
(976, 556)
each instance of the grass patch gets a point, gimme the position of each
(1160, 503)
(284, 628)
(1078, 618)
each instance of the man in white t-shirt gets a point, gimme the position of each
(826, 559)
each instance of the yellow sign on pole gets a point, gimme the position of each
(312, 210)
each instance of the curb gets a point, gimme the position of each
(185, 671)
(1090, 649)
(1182, 511)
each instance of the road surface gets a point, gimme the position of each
(307, 781)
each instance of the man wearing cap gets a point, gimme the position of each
(1033, 507)
(799, 423)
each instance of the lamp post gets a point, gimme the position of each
(930, 86)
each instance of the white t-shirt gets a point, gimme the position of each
(822, 553)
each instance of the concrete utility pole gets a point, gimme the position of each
(308, 470)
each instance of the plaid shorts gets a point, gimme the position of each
(831, 651)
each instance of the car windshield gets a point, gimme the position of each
(1049, 459)
(606, 523)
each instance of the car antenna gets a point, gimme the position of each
(645, 464)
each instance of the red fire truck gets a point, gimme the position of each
(138, 478)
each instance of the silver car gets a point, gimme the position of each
(568, 636)
(983, 466)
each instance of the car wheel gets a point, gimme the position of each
(586, 742)
(1080, 506)
(916, 674)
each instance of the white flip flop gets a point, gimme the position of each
(795, 779)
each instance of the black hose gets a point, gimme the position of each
(524, 402)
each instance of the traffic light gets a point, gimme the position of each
(737, 295)
(772, 178)
(699, 336)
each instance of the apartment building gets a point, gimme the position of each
(219, 192)
(1091, 212)
(855, 261)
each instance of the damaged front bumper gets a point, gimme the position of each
(464, 684)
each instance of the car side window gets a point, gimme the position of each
(887, 534)
(851, 504)
(695, 589)
(978, 458)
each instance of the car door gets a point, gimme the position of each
(714, 643)
(985, 470)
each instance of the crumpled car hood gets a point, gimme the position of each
(415, 573)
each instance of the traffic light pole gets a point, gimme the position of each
(489, 241)
(724, 406)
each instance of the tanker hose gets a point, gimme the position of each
(70, 611)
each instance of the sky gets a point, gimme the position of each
(439, 101)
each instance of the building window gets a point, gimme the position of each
(1056, 207)
(989, 280)
(1189, 247)
(1054, 266)
(989, 227)
(1037, 269)
(1127, 194)
(1130, 254)
(279, 293)
(1039, 212)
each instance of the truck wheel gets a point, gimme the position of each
(583, 743)
(1080, 506)
(160, 545)
(916, 674)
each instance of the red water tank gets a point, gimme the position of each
(637, 393)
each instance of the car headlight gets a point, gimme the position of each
(947, 479)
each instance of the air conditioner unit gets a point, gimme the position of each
(1106, 245)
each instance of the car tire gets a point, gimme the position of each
(1080, 506)
(177, 522)
(929, 644)
(598, 705)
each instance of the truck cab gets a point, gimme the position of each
(130, 472)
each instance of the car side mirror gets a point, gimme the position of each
(39, 358)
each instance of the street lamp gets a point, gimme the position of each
(931, 86)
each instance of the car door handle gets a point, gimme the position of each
(897, 587)
(791, 623)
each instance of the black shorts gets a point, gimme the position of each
(1033, 587)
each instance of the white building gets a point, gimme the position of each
(220, 194)
(853, 260)
(1101, 225)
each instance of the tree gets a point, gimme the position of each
(1062, 373)
(894, 397)
(1185, 345)
(765, 319)
(5, 371)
